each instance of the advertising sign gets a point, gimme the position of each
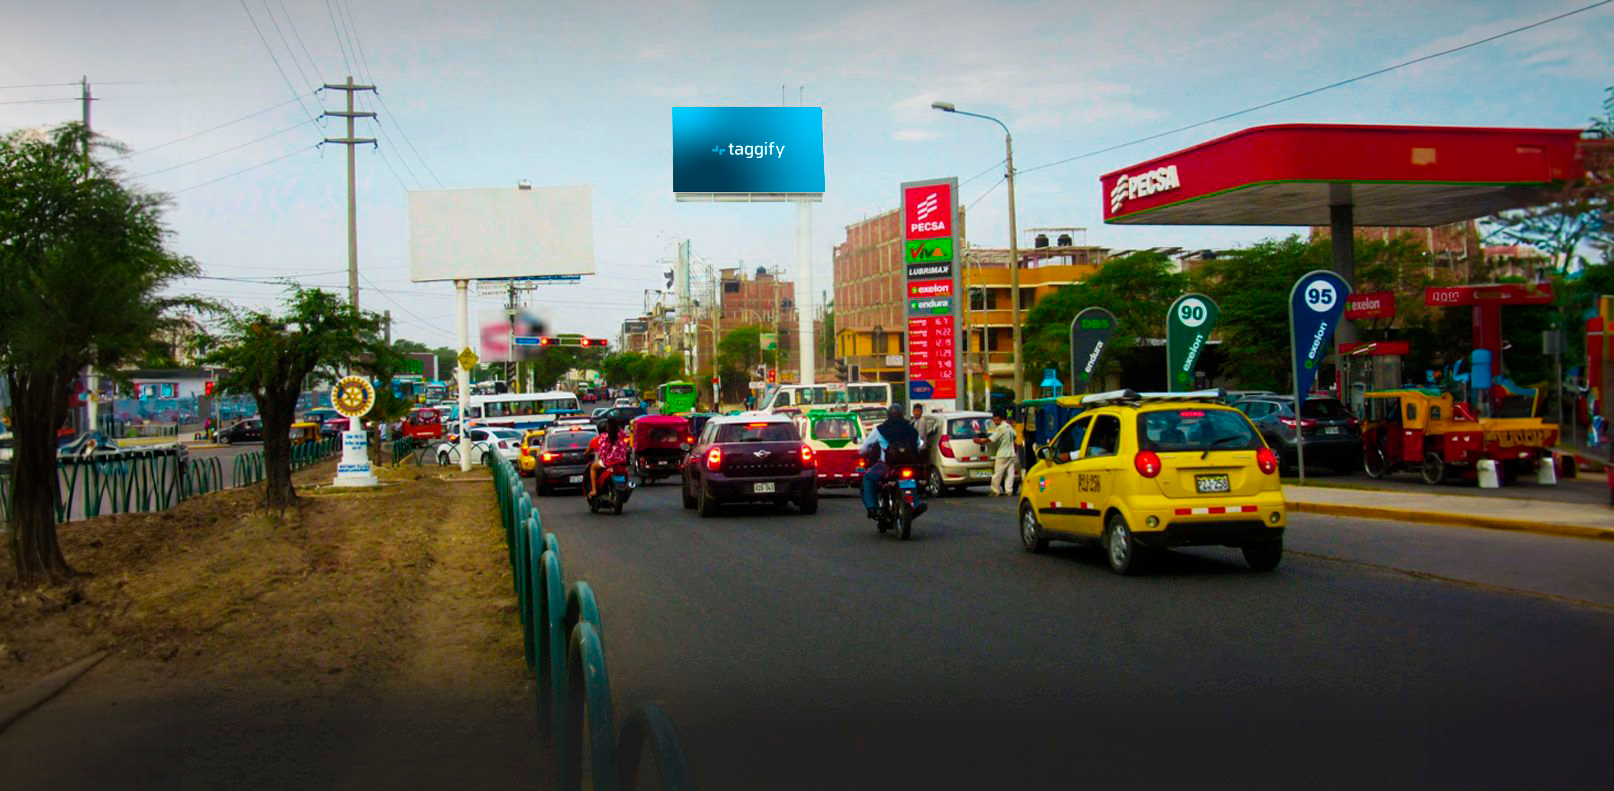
(1501, 293)
(1315, 305)
(929, 220)
(499, 233)
(1371, 305)
(719, 150)
(1090, 335)
(1189, 324)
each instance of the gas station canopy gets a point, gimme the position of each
(1291, 174)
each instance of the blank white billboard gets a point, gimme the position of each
(487, 234)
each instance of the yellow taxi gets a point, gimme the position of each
(532, 442)
(1134, 472)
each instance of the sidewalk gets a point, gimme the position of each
(1497, 513)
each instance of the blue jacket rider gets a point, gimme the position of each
(897, 431)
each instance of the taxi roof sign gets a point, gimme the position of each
(1133, 396)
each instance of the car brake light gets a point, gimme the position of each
(1266, 460)
(806, 456)
(945, 444)
(548, 456)
(1305, 423)
(907, 472)
(756, 425)
(714, 458)
(1147, 463)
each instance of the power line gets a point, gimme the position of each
(989, 191)
(313, 64)
(41, 101)
(288, 155)
(275, 58)
(213, 129)
(287, 44)
(1314, 91)
(41, 85)
(345, 61)
(982, 173)
(298, 125)
(369, 76)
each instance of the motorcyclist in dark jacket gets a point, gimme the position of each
(896, 440)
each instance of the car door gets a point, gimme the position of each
(1095, 473)
(1054, 494)
(479, 439)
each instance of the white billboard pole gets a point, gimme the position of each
(462, 377)
(806, 349)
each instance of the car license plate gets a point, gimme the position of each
(619, 479)
(575, 479)
(1209, 484)
(1331, 430)
(980, 473)
(762, 488)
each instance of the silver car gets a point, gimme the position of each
(959, 454)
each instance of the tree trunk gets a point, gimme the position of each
(39, 406)
(277, 408)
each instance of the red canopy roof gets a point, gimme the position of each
(1394, 175)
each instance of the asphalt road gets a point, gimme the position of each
(811, 652)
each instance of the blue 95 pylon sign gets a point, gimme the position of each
(1316, 305)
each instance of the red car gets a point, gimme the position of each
(424, 423)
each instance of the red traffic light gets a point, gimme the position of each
(585, 341)
(773, 376)
(207, 389)
(594, 342)
(715, 381)
(546, 341)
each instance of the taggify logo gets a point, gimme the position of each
(751, 152)
(927, 206)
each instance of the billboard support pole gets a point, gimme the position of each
(462, 376)
(807, 351)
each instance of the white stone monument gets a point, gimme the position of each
(352, 398)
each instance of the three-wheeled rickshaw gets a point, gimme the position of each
(1426, 430)
(658, 443)
(834, 438)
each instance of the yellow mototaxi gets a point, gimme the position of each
(1428, 431)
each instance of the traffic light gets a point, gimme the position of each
(546, 341)
(592, 342)
(840, 369)
(207, 389)
(773, 376)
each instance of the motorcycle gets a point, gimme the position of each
(898, 502)
(613, 490)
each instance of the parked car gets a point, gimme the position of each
(249, 430)
(958, 455)
(562, 458)
(750, 458)
(504, 441)
(1333, 437)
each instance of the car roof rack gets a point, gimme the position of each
(1135, 397)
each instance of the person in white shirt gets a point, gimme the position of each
(1004, 459)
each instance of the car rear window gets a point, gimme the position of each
(967, 427)
(1324, 408)
(834, 428)
(1195, 429)
(772, 431)
(568, 440)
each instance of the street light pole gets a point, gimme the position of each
(1014, 245)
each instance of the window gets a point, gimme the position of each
(1434, 412)
(967, 427)
(1324, 408)
(1191, 429)
(833, 428)
(772, 431)
(783, 399)
(1070, 440)
(1412, 411)
(568, 440)
(1105, 437)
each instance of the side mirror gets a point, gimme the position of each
(1045, 453)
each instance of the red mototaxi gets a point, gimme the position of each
(424, 423)
(659, 443)
(834, 438)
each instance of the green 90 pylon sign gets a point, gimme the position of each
(1189, 324)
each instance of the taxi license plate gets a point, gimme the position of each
(575, 479)
(980, 473)
(762, 488)
(1210, 484)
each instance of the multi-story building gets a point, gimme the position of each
(869, 325)
(1454, 247)
(762, 298)
(988, 319)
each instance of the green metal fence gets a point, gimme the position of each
(565, 648)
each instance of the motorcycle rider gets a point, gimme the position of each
(895, 440)
(609, 449)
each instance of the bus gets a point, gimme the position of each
(436, 391)
(676, 398)
(520, 410)
(841, 397)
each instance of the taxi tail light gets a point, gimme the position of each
(806, 456)
(714, 459)
(1147, 463)
(548, 457)
(945, 445)
(1266, 460)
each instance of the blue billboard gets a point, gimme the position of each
(748, 149)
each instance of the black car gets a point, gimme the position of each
(750, 458)
(623, 414)
(249, 430)
(1333, 436)
(563, 459)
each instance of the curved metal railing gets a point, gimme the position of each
(564, 643)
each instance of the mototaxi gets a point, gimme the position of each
(657, 444)
(834, 438)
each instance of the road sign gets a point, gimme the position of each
(468, 359)
(769, 341)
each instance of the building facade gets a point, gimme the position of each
(868, 280)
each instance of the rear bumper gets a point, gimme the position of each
(740, 490)
(1233, 533)
(965, 473)
(561, 474)
(1201, 521)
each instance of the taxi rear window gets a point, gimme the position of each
(833, 428)
(1198, 429)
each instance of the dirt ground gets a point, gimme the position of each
(360, 640)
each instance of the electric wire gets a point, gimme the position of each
(287, 44)
(211, 129)
(39, 85)
(293, 127)
(369, 76)
(287, 155)
(275, 58)
(345, 61)
(1314, 91)
(42, 101)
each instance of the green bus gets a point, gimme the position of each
(676, 398)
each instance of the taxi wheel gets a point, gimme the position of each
(1263, 556)
(1120, 549)
(1030, 531)
(933, 484)
(1434, 468)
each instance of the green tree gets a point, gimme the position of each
(83, 262)
(270, 357)
(617, 369)
(1138, 288)
(1252, 287)
(1581, 212)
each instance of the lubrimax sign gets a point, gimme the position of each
(748, 150)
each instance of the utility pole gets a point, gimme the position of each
(510, 309)
(1014, 275)
(685, 313)
(352, 201)
(92, 382)
(386, 321)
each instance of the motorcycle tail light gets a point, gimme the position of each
(714, 458)
(945, 445)
(1147, 463)
(1266, 460)
(907, 472)
(806, 456)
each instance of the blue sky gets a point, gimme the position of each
(579, 93)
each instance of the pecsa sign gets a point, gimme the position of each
(928, 212)
(1161, 179)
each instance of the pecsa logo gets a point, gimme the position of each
(1143, 185)
(928, 211)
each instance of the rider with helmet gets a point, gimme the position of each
(893, 442)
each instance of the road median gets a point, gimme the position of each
(1529, 516)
